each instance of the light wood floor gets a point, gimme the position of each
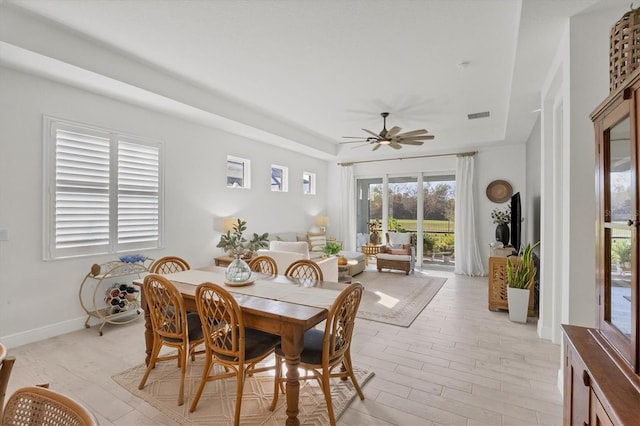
(457, 364)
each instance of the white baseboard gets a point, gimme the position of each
(41, 333)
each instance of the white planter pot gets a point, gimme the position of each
(518, 299)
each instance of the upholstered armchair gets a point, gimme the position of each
(399, 253)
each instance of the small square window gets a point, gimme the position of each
(279, 178)
(238, 172)
(309, 183)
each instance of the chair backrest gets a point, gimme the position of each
(399, 239)
(39, 406)
(304, 269)
(222, 323)
(264, 264)
(340, 323)
(6, 365)
(166, 307)
(169, 265)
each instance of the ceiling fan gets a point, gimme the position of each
(391, 137)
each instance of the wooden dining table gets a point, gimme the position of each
(280, 305)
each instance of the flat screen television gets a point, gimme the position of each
(516, 222)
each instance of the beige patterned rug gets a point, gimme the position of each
(217, 404)
(395, 298)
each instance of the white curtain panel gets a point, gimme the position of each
(347, 232)
(468, 258)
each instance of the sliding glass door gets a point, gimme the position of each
(422, 205)
(368, 209)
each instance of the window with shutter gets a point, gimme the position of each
(102, 191)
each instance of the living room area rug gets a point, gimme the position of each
(395, 298)
(217, 404)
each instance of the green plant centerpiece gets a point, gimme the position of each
(332, 248)
(520, 278)
(237, 246)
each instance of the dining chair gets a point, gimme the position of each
(169, 265)
(265, 264)
(6, 365)
(327, 353)
(35, 406)
(304, 269)
(228, 342)
(172, 326)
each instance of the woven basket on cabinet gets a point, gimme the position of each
(624, 48)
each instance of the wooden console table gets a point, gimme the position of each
(498, 282)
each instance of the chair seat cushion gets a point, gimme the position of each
(387, 256)
(257, 343)
(312, 352)
(194, 326)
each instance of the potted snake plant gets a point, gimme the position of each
(520, 277)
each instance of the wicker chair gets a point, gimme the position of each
(35, 406)
(329, 349)
(264, 264)
(304, 269)
(6, 365)
(169, 265)
(228, 342)
(398, 254)
(172, 326)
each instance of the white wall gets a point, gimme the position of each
(40, 299)
(531, 225)
(576, 83)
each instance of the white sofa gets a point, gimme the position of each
(287, 252)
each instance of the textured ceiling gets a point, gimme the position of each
(330, 67)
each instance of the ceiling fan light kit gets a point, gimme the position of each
(391, 137)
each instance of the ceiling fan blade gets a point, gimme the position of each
(392, 132)
(413, 133)
(414, 138)
(359, 141)
(376, 147)
(359, 146)
(395, 145)
(372, 133)
(411, 142)
(353, 137)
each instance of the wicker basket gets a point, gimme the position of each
(624, 48)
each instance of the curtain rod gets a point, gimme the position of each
(457, 154)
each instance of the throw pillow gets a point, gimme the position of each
(316, 241)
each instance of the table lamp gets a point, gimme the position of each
(322, 222)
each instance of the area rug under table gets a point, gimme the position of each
(395, 298)
(217, 404)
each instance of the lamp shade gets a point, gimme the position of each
(322, 221)
(227, 224)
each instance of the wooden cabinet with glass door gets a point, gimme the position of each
(602, 365)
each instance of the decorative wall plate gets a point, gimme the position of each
(499, 191)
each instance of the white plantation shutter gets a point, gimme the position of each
(103, 192)
(81, 191)
(138, 195)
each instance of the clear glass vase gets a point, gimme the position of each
(238, 271)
